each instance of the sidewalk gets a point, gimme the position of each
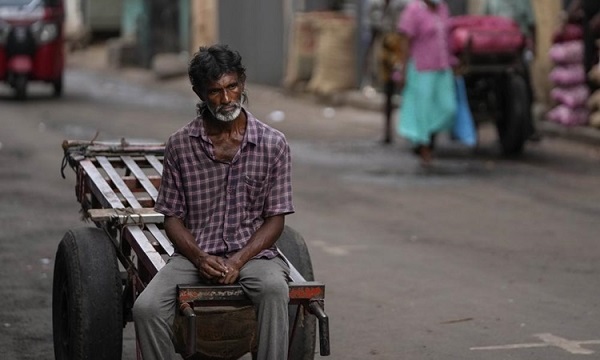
(170, 73)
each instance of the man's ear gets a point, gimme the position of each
(197, 91)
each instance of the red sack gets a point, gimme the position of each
(568, 33)
(478, 21)
(485, 34)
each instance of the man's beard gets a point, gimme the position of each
(226, 116)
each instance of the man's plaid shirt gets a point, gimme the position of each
(223, 204)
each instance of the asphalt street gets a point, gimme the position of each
(480, 257)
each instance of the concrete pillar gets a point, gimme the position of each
(132, 9)
(547, 21)
(475, 6)
(204, 23)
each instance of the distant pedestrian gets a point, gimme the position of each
(385, 43)
(429, 101)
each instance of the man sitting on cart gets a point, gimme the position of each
(225, 190)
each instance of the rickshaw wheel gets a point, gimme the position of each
(87, 320)
(293, 246)
(57, 87)
(20, 86)
(515, 118)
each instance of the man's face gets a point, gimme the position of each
(223, 97)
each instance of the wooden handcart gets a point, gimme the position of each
(100, 270)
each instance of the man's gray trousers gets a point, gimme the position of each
(264, 281)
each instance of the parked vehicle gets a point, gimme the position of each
(31, 44)
(100, 270)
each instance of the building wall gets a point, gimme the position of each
(74, 22)
(164, 26)
(204, 23)
(547, 21)
(258, 30)
(475, 6)
(102, 16)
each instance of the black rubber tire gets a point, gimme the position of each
(292, 245)
(21, 86)
(57, 87)
(87, 314)
(515, 124)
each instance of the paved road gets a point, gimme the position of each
(478, 258)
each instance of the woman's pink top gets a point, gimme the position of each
(428, 33)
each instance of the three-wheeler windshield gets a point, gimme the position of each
(30, 3)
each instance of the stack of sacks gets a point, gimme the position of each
(593, 102)
(570, 92)
(594, 107)
(334, 55)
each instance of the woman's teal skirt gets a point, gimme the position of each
(428, 105)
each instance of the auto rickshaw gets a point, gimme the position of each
(31, 44)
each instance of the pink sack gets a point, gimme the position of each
(479, 21)
(568, 33)
(572, 97)
(566, 116)
(570, 52)
(481, 34)
(568, 75)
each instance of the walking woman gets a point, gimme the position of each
(429, 95)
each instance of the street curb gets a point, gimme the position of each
(586, 135)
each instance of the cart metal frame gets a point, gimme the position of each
(499, 84)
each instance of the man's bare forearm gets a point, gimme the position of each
(210, 267)
(262, 239)
(182, 239)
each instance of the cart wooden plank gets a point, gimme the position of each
(162, 240)
(146, 253)
(118, 181)
(141, 176)
(156, 164)
(99, 187)
(126, 192)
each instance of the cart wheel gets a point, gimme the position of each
(514, 125)
(294, 248)
(21, 86)
(87, 318)
(57, 87)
